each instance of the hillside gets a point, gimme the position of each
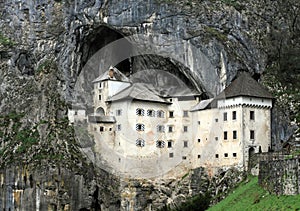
(250, 196)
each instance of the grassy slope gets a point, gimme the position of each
(250, 196)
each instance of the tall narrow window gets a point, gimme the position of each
(100, 97)
(225, 116)
(171, 154)
(252, 117)
(118, 112)
(170, 128)
(234, 134)
(101, 129)
(217, 155)
(160, 128)
(171, 114)
(234, 115)
(185, 113)
(252, 135)
(185, 144)
(139, 112)
(140, 127)
(100, 85)
(140, 143)
(225, 135)
(118, 127)
(169, 144)
(185, 129)
(160, 144)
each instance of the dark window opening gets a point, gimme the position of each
(169, 144)
(171, 154)
(252, 134)
(183, 157)
(226, 155)
(185, 114)
(217, 155)
(151, 113)
(140, 143)
(234, 115)
(199, 156)
(140, 127)
(160, 144)
(171, 114)
(234, 155)
(185, 144)
(140, 112)
(225, 135)
(252, 115)
(234, 134)
(225, 116)
(101, 129)
(185, 128)
(199, 140)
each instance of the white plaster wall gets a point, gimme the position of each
(244, 100)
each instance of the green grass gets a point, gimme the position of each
(250, 196)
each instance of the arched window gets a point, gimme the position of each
(160, 144)
(140, 143)
(160, 114)
(140, 127)
(100, 111)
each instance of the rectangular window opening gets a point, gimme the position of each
(217, 155)
(185, 144)
(234, 155)
(234, 115)
(226, 155)
(225, 135)
(252, 135)
(225, 116)
(171, 114)
(252, 115)
(234, 134)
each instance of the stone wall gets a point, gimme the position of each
(280, 176)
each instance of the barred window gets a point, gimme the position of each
(151, 113)
(160, 128)
(160, 144)
(160, 114)
(140, 142)
(140, 112)
(140, 127)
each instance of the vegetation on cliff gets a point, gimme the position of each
(250, 196)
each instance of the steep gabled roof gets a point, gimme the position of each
(139, 91)
(203, 104)
(119, 76)
(244, 85)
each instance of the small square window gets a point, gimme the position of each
(225, 116)
(234, 155)
(225, 135)
(216, 120)
(217, 155)
(199, 156)
(234, 134)
(185, 144)
(169, 144)
(216, 138)
(185, 113)
(160, 128)
(185, 128)
(171, 114)
(199, 140)
(226, 155)
(183, 157)
(234, 115)
(171, 154)
(160, 114)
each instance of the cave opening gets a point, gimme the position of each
(104, 35)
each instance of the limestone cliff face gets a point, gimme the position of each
(45, 44)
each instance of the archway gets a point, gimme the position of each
(100, 111)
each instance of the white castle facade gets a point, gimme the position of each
(140, 132)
